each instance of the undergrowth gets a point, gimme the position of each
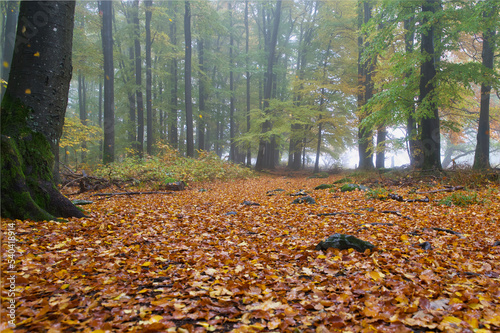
(462, 199)
(169, 166)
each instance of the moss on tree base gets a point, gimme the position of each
(28, 190)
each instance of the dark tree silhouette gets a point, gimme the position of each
(33, 111)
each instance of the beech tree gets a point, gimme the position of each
(266, 154)
(108, 155)
(482, 153)
(187, 82)
(33, 111)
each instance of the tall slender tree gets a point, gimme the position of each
(173, 137)
(187, 82)
(430, 136)
(202, 95)
(138, 80)
(482, 154)
(149, 98)
(232, 123)
(266, 155)
(365, 90)
(247, 74)
(108, 153)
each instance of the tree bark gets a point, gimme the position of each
(108, 155)
(430, 138)
(365, 92)
(138, 81)
(9, 39)
(412, 131)
(149, 106)
(247, 37)
(33, 111)
(232, 124)
(173, 136)
(482, 154)
(82, 105)
(380, 156)
(265, 157)
(202, 96)
(187, 82)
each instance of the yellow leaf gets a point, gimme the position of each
(155, 319)
(404, 237)
(5, 64)
(27, 91)
(64, 286)
(451, 320)
(207, 326)
(143, 291)
(37, 54)
(321, 256)
(375, 275)
(146, 264)
(475, 306)
(495, 319)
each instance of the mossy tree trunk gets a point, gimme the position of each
(33, 111)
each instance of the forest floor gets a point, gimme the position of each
(239, 256)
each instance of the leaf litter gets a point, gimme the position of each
(197, 261)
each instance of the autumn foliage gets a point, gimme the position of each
(200, 260)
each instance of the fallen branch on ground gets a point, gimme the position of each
(448, 189)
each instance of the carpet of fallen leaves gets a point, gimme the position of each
(200, 260)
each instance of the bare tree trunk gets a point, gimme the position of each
(232, 125)
(173, 136)
(8, 40)
(108, 154)
(202, 95)
(82, 97)
(138, 81)
(247, 36)
(431, 141)
(149, 107)
(187, 83)
(365, 92)
(482, 154)
(265, 157)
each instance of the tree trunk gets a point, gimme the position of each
(108, 155)
(33, 111)
(82, 97)
(412, 131)
(380, 157)
(138, 82)
(173, 136)
(247, 37)
(365, 92)
(482, 154)
(430, 138)
(202, 96)
(265, 157)
(132, 126)
(149, 106)
(8, 40)
(232, 125)
(187, 82)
